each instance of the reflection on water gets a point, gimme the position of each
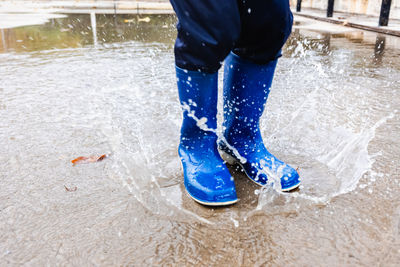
(76, 31)
(379, 48)
(3, 39)
(332, 112)
(94, 27)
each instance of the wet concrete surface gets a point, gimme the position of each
(332, 112)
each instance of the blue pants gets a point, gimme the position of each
(208, 30)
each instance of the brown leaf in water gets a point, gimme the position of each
(88, 159)
(74, 161)
(101, 157)
(72, 189)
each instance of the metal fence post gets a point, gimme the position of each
(298, 6)
(385, 10)
(329, 11)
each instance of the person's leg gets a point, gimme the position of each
(207, 30)
(248, 76)
(266, 25)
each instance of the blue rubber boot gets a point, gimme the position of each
(246, 89)
(206, 177)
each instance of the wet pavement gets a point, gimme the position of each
(66, 92)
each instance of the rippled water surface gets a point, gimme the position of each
(66, 92)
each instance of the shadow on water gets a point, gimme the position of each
(379, 48)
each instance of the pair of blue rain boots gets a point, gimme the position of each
(246, 89)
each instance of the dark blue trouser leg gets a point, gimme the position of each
(209, 29)
(265, 27)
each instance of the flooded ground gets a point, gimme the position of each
(66, 92)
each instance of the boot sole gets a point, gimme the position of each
(214, 204)
(232, 160)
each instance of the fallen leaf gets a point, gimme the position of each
(88, 159)
(101, 157)
(78, 159)
(72, 189)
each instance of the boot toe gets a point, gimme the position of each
(258, 173)
(212, 190)
(290, 179)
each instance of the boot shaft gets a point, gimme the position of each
(198, 95)
(246, 89)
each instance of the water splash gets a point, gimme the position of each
(273, 173)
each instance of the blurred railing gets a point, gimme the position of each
(364, 7)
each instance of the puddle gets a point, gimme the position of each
(75, 31)
(68, 91)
